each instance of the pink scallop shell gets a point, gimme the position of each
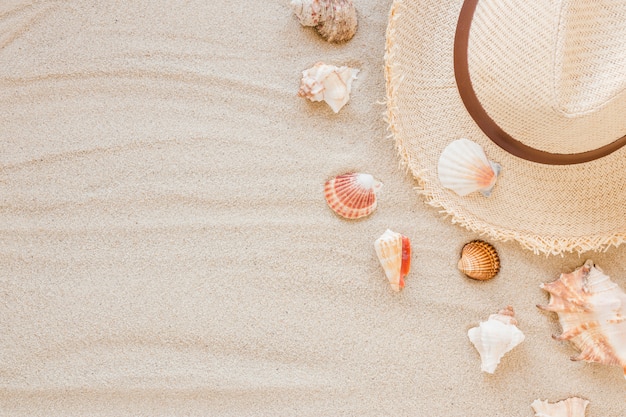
(352, 195)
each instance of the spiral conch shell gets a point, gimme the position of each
(352, 195)
(592, 313)
(495, 337)
(394, 253)
(335, 20)
(464, 168)
(479, 260)
(572, 407)
(328, 83)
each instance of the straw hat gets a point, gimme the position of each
(541, 86)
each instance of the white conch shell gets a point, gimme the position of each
(495, 337)
(335, 20)
(572, 407)
(394, 253)
(464, 168)
(329, 83)
(592, 313)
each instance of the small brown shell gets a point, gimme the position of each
(479, 260)
(335, 20)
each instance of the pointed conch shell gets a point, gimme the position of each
(335, 20)
(328, 83)
(495, 337)
(394, 253)
(464, 168)
(479, 260)
(352, 195)
(572, 407)
(592, 313)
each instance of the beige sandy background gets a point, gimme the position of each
(165, 248)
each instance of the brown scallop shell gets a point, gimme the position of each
(479, 260)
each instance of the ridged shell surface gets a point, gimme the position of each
(479, 260)
(495, 337)
(592, 313)
(335, 20)
(394, 253)
(328, 83)
(571, 407)
(352, 195)
(464, 168)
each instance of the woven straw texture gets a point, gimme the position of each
(553, 76)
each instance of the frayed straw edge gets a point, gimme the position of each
(548, 245)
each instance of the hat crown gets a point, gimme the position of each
(550, 74)
(590, 58)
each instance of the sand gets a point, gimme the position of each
(166, 249)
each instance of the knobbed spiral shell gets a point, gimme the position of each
(328, 83)
(495, 337)
(592, 313)
(335, 20)
(572, 407)
(479, 260)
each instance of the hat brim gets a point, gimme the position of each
(546, 208)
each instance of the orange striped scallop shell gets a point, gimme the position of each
(352, 195)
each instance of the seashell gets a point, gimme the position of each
(592, 313)
(464, 168)
(335, 20)
(394, 253)
(495, 337)
(479, 260)
(328, 83)
(572, 407)
(352, 195)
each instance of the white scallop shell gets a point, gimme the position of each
(328, 83)
(335, 20)
(572, 407)
(495, 337)
(464, 168)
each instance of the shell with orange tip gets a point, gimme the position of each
(479, 260)
(571, 407)
(464, 168)
(394, 253)
(352, 195)
(592, 313)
